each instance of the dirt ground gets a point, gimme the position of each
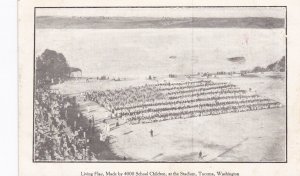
(248, 136)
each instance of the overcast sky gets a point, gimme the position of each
(277, 12)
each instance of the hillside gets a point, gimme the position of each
(101, 22)
(278, 66)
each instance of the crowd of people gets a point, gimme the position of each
(56, 135)
(114, 99)
(165, 101)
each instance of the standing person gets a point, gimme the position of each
(200, 155)
(151, 133)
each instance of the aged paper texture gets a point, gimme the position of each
(160, 88)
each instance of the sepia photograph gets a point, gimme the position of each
(160, 84)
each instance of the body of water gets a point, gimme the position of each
(142, 52)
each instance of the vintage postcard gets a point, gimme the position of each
(188, 90)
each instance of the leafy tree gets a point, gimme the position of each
(51, 66)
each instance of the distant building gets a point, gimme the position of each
(75, 72)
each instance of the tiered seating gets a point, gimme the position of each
(53, 137)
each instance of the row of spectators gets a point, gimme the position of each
(161, 114)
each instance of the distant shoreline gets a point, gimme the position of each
(51, 22)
